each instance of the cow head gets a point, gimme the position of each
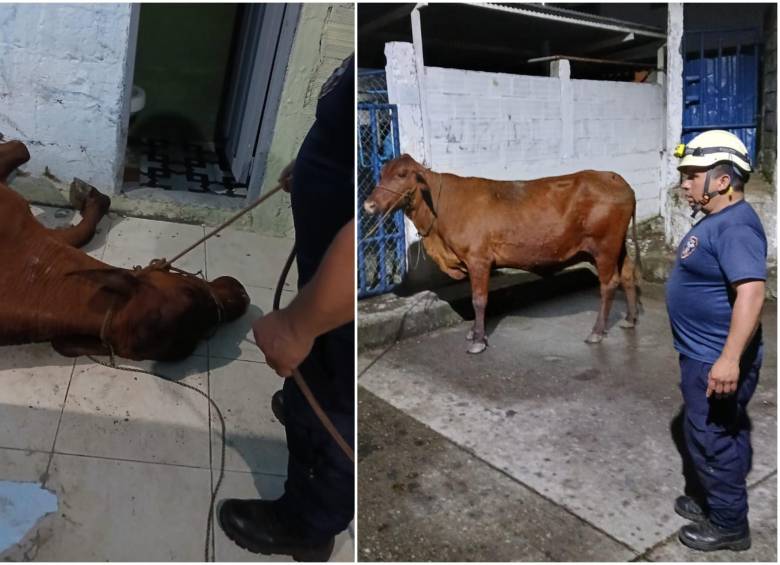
(401, 185)
(162, 315)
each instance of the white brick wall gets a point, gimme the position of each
(62, 87)
(503, 126)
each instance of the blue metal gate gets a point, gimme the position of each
(381, 241)
(720, 71)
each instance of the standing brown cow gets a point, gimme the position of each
(471, 225)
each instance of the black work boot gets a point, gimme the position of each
(689, 508)
(706, 536)
(257, 526)
(277, 405)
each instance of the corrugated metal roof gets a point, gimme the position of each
(575, 18)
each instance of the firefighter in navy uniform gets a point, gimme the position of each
(714, 297)
(316, 334)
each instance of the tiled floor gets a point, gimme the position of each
(132, 459)
(169, 165)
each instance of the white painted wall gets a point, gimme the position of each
(505, 126)
(63, 87)
(674, 209)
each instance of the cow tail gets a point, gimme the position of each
(638, 261)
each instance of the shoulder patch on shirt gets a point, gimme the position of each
(690, 247)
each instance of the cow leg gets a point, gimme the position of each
(77, 345)
(628, 282)
(609, 279)
(93, 207)
(479, 274)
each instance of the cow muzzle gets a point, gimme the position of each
(370, 207)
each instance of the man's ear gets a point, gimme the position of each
(118, 281)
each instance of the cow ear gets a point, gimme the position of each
(119, 281)
(421, 179)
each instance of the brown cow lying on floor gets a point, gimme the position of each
(52, 291)
(470, 225)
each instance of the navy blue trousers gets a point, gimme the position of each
(717, 438)
(320, 488)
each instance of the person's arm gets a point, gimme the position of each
(746, 315)
(326, 302)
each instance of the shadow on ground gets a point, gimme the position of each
(584, 429)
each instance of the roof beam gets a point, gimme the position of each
(566, 16)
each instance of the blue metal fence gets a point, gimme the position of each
(721, 70)
(381, 242)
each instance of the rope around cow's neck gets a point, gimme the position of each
(401, 196)
(389, 211)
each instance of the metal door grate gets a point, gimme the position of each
(381, 248)
(720, 70)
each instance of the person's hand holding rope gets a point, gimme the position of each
(326, 302)
(284, 342)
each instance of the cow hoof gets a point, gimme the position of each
(83, 195)
(627, 324)
(103, 201)
(79, 191)
(594, 338)
(477, 347)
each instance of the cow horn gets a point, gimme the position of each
(119, 281)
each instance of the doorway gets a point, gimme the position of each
(207, 84)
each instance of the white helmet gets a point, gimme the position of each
(712, 147)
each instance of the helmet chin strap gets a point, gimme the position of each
(705, 198)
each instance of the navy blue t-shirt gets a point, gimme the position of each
(722, 249)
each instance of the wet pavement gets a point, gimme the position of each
(131, 459)
(542, 448)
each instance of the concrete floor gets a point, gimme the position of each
(132, 460)
(542, 448)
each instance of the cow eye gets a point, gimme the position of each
(402, 174)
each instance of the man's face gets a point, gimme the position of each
(692, 184)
